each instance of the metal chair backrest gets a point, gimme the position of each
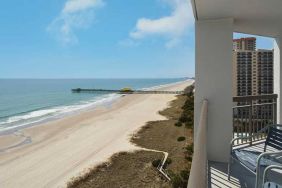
(274, 138)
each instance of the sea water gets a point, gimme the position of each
(26, 102)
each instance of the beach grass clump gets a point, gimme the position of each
(181, 138)
(187, 115)
(178, 124)
(156, 162)
(183, 118)
(184, 174)
(179, 180)
(188, 158)
(167, 162)
(189, 125)
(190, 149)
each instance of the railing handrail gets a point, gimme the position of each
(198, 173)
(248, 105)
(254, 97)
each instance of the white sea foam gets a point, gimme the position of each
(38, 116)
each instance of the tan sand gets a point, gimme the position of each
(64, 148)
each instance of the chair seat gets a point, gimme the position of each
(271, 185)
(249, 159)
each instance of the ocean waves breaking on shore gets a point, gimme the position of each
(38, 101)
(36, 116)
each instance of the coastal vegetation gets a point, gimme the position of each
(139, 169)
(181, 138)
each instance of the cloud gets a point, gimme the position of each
(172, 27)
(76, 14)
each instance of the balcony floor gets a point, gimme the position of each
(240, 177)
(218, 178)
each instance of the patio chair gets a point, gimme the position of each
(252, 159)
(270, 184)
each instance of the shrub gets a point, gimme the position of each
(183, 118)
(188, 158)
(190, 149)
(181, 138)
(170, 173)
(177, 181)
(189, 124)
(168, 161)
(178, 124)
(156, 163)
(190, 118)
(185, 174)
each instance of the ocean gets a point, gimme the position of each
(26, 102)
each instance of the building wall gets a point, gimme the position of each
(253, 69)
(243, 79)
(213, 82)
(265, 71)
(245, 44)
(277, 69)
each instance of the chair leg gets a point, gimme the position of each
(258, 183)
(257, 180)
(229, 167)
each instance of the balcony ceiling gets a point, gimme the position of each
(260, 17)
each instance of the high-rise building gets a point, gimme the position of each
(245, 44)
(253, 69)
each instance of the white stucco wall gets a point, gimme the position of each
(277, 68)
(214, 83)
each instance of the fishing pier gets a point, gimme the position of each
(125, 91)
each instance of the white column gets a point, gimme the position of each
(214, 83)
(278, 76)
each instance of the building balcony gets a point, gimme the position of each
(251, 114)
(215, 22)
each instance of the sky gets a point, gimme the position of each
(262, 42)
(98, 39)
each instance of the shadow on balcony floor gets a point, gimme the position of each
(240, 177)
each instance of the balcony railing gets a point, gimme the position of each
(198, 173)
(251, 114)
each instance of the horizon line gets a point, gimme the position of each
(98, 78)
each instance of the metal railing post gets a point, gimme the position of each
(275, 111)
(254, 112)
(250, 120)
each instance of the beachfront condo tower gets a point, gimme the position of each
(253, 69)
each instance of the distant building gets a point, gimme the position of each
(245, 44)
(253, 69)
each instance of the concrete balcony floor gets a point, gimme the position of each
(218, 178)
(240, 177)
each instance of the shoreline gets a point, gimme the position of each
(82, 110)
(68, 146)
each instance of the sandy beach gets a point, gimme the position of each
(49, 155)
